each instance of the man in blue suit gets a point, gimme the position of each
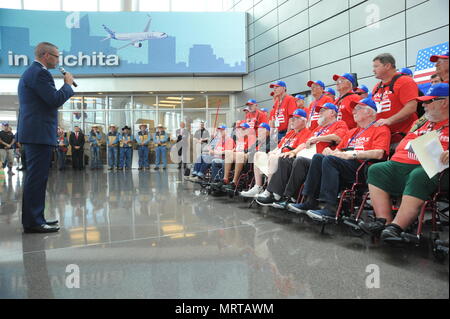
(36, 129)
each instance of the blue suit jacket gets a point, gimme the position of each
(39, 102)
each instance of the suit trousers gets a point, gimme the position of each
(289, 177)
(38, 158)
(77, 158)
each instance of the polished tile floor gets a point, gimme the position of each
(150, 235)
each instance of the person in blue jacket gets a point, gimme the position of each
(143, 139)
(161, 139)
(126, 148)
(96, 140)
(39, 101)
(112, 143)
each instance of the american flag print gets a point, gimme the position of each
(424, 68)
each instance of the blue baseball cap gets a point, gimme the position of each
(222, 127)
(244, 125)
(437, 90)
(278, 83)
(251, 102)
(367, 101)
(264, 109)
(364, 89)
(406, 71)
(434, 58)
(347, 76)
(265, 125)
(330, 91)
(5, 124)
(330, 106)
(300, 97)
(299, 113)
(310, 83)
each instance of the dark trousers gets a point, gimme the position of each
(327, 175)
(77, 158)
(289, 177)
(23, 159)
(33, 199)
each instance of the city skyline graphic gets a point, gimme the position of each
(160, 54)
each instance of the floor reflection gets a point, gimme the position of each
(146, 235)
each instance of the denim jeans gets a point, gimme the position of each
(95, 157)
(217, 169)
(125, 157)
(161, 154)
(61, 159)
(143, 156)
(326, 177)
(112, 157)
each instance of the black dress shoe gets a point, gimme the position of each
(52, 222)
(44, 228)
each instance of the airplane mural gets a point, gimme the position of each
(135, 39)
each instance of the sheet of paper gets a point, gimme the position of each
(428, 150)
(308, 152)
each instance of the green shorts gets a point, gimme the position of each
(398, 179)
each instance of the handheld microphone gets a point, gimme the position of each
(61, 69)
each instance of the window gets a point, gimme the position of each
(54, 5)
(94, 102)
(79, 5)
(194, 101)
(10, 4)
(169, 102)
(119, 102)
(161, 5)
(110, 5)
(183, 5)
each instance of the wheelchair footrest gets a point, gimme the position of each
(410, 238)
(350, 222)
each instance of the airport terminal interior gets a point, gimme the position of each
(151, 231)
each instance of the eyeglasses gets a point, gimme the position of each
(432, 100)
(56, 56)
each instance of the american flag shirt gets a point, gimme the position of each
(424, 67)
(390, 103)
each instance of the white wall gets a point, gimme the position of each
(300, 40)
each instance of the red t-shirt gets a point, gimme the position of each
(403, 152)
(223, 145)
(373, 138)
(283, 112)
(254, 119)
(294, 139)
(345, 111)
(405, 90)
(313, 110)
(339, 128)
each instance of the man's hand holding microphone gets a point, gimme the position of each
(68, 77)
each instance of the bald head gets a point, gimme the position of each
(48, 54)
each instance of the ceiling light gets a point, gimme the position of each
(173, 102)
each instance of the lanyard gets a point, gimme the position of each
(323, 130)
(313, 109)
(279, 105)
(356, 136)
(338, 103)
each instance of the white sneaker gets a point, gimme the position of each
(253, 192)
(265, 194)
